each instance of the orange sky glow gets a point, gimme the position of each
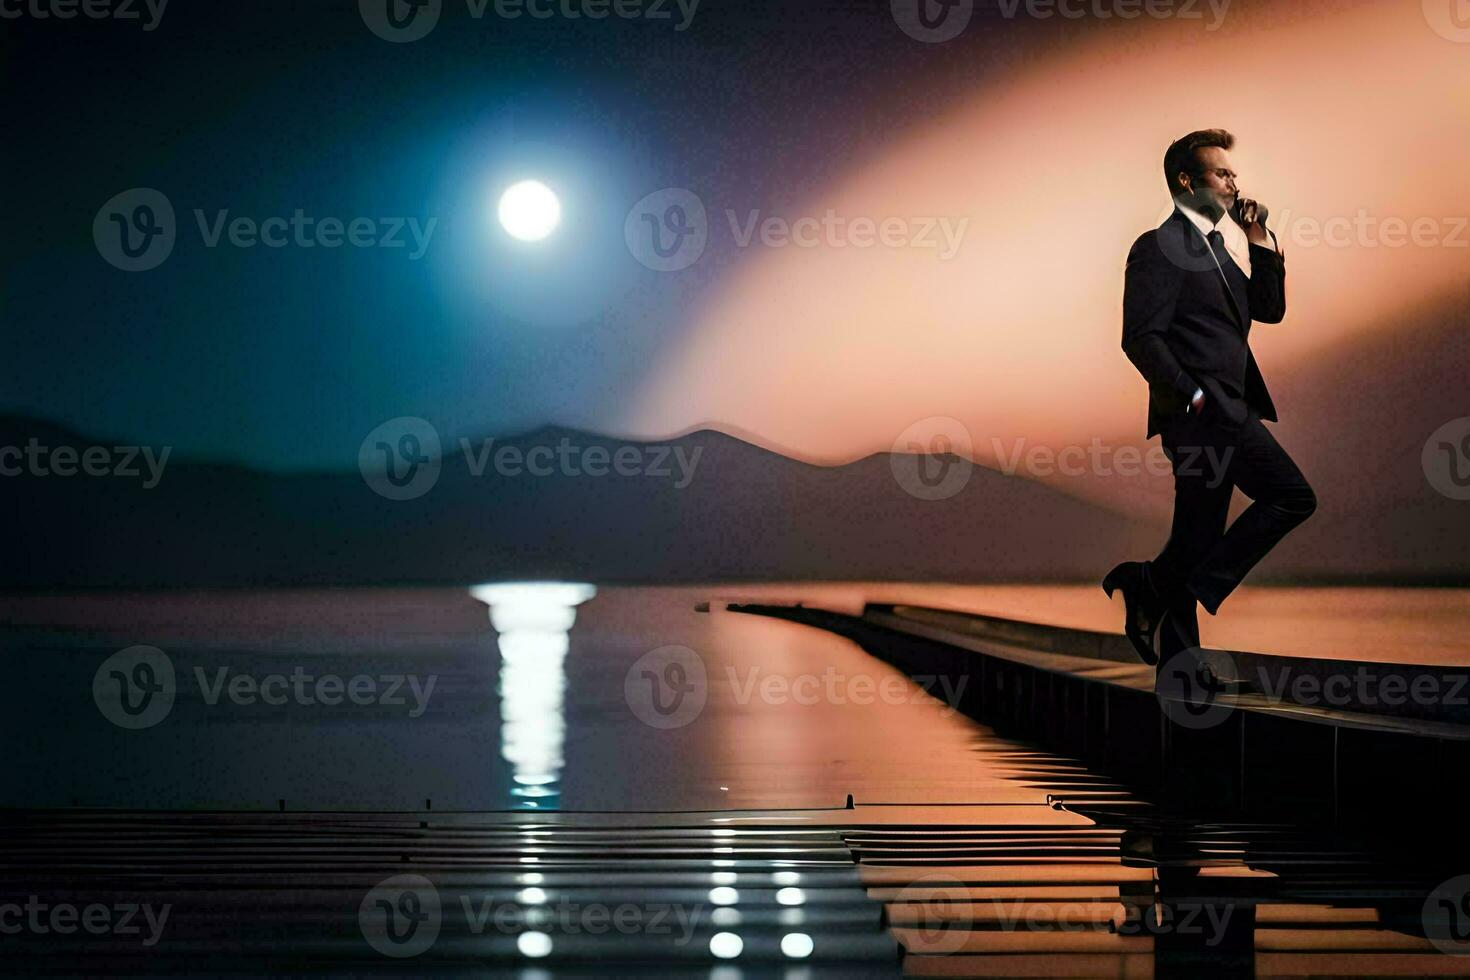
(1351, 124)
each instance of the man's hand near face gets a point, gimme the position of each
(1251, 215)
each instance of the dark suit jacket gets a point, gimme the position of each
(1186, 324)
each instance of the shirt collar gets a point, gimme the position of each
(1236, 241)
(1199, 220)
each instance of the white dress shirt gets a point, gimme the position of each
(1236, 241)
(1237, 244)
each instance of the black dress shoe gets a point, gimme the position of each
(1143, 603)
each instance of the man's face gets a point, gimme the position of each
(1214, 191)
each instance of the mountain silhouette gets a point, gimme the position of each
(733, 512)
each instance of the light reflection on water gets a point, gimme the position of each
(534, 622)
(745, 751)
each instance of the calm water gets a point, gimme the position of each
(630, 700)
(783, 716)
(394, 699)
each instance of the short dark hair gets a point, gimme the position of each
(1181, 154)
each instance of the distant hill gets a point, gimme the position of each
(746, 513)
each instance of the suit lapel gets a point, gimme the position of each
(1237, 297)
(1235, 285)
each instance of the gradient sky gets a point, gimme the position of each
(1043, 134)
(1351, 122)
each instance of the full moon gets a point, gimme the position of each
(529, 211)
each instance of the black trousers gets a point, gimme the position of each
(1211, 453)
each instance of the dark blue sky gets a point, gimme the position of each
(286, 357)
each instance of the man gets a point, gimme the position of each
(1191, 289)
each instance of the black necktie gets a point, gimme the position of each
(1227, 266)
(1217, 243)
